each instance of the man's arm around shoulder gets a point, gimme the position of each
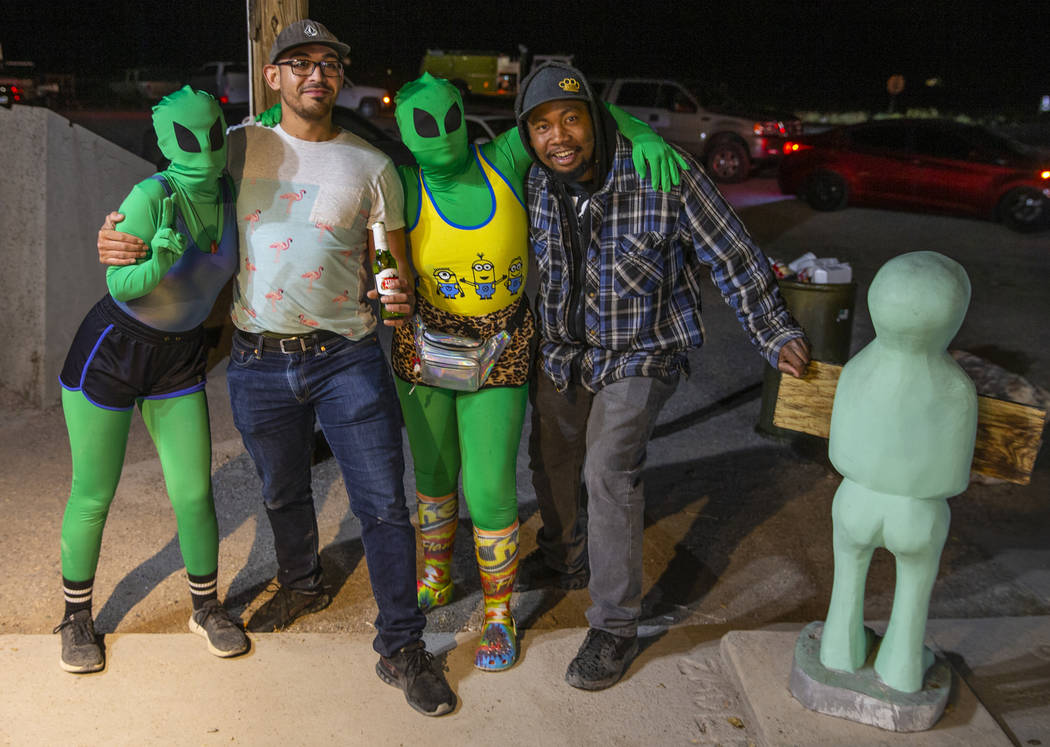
(116, 247)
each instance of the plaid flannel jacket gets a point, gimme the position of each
(641, 280)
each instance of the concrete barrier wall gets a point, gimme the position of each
(57, 182)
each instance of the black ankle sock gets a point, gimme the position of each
(203, 588)
(77, 595)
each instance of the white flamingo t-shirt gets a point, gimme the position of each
(304, 209)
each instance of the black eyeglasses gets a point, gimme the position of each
(305, 68)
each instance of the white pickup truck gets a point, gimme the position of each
(367, 100)
(146, 84)
(731, 143)
(226, 81)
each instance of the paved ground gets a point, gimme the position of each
(737, 537)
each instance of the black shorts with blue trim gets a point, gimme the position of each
(116, 359)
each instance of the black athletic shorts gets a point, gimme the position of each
(116, 359)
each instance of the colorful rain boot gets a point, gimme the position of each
(437, 529)
(497, 554)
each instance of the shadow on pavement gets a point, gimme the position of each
(234, 508)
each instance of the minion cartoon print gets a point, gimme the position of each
(514, 276)
(447, 283)
(484, 282)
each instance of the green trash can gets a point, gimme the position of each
(825, 312)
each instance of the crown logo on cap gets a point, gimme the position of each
(309, 30)
(569, 85)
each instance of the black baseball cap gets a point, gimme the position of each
(305, 32)
(551, 83)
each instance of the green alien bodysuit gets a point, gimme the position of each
(143, 344)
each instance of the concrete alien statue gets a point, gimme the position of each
(903, 427)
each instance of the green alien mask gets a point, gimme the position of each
(191, 132)
(429, 116)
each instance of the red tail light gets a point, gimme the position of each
(224, 99)
(792, 147)
(1044, 174)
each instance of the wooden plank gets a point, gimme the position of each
(1008, 439)
(804, 404)
(1008, 433)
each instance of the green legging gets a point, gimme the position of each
(98, 439)
(477, 432)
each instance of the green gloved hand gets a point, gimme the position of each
(167, 241)
(271, 117)
(665, 161)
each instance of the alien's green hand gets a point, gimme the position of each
(167, 241)
(271, 117)
(665, 161)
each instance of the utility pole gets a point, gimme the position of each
(266, 18)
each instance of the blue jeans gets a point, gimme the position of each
(348, 388)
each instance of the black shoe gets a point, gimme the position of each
(601, 660)
(223, 634)
(284, 607)
(80, 650)
(413, 670)
(534, 573)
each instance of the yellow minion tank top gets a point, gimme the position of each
(472, 270)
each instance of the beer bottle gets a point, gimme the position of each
(385, 270)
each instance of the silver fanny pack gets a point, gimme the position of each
(453, 361)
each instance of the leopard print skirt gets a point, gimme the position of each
(515, 362)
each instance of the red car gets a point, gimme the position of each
(924, 164)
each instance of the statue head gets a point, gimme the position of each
(918, 301)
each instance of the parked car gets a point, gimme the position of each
(481, 128)
(21, 83)
(928, 165)
(730, 140)
(226, 81)
(146, 84)
(368, 100)
(345, 118)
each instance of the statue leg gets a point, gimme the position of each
(916, 536)
(856, 516)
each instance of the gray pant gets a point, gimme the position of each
(602, 436)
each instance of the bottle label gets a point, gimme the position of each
(386, 281)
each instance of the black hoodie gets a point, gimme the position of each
(578, 231)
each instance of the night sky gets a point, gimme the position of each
(794, 54)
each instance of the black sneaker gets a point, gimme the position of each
(284, 607)
(413, 670)
(81, 652)
(535, 573)
(601, 660)
(224, 635)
